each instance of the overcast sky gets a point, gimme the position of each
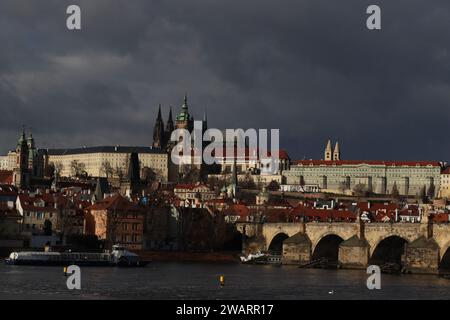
(308, 67)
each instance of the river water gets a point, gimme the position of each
(201, 281)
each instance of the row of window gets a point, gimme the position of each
(130, 226)
(39, 215)
(130, 238)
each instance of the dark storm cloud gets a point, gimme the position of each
(308, 67)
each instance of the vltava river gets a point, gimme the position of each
(201, 281)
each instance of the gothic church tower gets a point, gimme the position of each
(336, 152)
(21, 172)
(328, 151)
(158, 132)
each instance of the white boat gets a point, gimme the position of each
(261, 258)
(252, 257)
(119, 256)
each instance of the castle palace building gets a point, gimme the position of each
(109, 161)
(381, 177)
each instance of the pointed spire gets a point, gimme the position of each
(328, 145)
(328, 151)
(30, 141)
(23, 136)
(22, 139)
(159, 113)
(134, 168)
(170, 114)
(169, 129)
(98, 194)
(336, 147)
(336, 152)
(185, 107)
(158, 131)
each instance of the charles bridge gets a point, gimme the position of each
(419, 247)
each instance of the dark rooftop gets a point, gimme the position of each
(103, 149)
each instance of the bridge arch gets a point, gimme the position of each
(316, 239)
(444, 263)
(388, 250)
(276, 244)
(327, 247)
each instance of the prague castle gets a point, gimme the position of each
(97, 161)
(27, 161)
(332, 174)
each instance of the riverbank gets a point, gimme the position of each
(174, 256)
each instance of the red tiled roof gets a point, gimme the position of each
(369, 162)
(238, 210)
(6, 177)
(249, 153)
(446, 171)
(277, 215)
(376, 206)
(410, 211)
(440, 217)
(116, 202)
(322, 214)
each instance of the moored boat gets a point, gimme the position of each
(261, 258)
(119, 256)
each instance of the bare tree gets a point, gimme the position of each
(77, 168)
(359, 189)
(107, 169)
(59, 167)
(149, 175)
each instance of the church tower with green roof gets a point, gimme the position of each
(184, 120)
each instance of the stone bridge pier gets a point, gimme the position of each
(417, 247)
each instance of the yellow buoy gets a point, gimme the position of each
(222, 280)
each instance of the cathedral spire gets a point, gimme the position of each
(158, 131)
(22, 138)
(337, 152)
(169, 129)
(159, 113)
(170, 113)
(328, 151)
